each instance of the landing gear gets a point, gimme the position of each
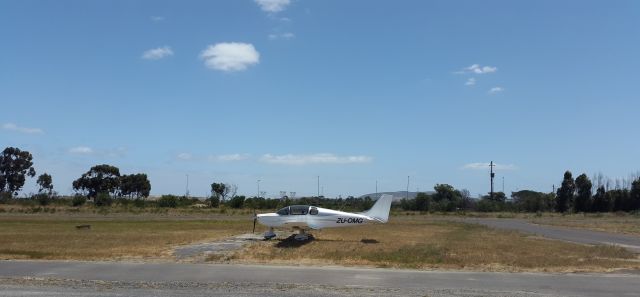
(269, 234)
(302, 235)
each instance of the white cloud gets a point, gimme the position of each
(287, 35)
(157, 18)
(229, 158)
(116, 153)
(273, 5)
(485, 166)
(14, 127)
(470, 82)
(496, 90)
(291, 159)
(230, 56)
(157, 53)
(81, 150)
(477, 69)
(184, 156)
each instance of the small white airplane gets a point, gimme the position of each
(303, 218)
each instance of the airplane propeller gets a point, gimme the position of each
(255, 218)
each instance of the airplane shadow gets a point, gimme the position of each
(291, 242)
(369, 241)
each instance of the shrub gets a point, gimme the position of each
(168, 201)
(138, 203)
(214, 202)
(123, 201)
(236, 202)
(184, 201)
(78, 200)
(5, 197)
(102, 199)
(43, 199)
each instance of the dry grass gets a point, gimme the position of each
(128, 212)
(414, 241)
(617, 223)
(417, 242)
(57, 238)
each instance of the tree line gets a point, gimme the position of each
(101, 183)
(104, 183)
(573, 195)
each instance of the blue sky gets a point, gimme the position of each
(351, 91)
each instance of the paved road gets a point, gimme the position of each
(567, 234)
(339, 279)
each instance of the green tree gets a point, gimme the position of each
(446, 197)
(497, 203)
(621, 199)
(498, 197)
(583, 194)
(14, 166)
(45, 182)
(102, 199)
(214, 201)
(422, 202)
(564, 197)
(135, 185)
(601, 202)
(218, 190)
(531, 201)
(444, 192)
(99, 179)
(168, 201)
(408, 204)
(236, 201)
(467, 201)
(635, 194)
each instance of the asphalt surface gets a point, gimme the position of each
(632, 243)
(44, 278)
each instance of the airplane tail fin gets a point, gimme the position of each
(380, 210)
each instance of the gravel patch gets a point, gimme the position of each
(63, 287)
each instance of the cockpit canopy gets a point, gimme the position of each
(298, 210)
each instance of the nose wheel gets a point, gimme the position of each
(269, 234)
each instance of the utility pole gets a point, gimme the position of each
(376, 188)
(492, 176)
(258, 189)
(408, 187)
(318, 186)
(187, 188)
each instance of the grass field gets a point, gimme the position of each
(108, 239)
(418, 242)
(616, 223)
(407, 241)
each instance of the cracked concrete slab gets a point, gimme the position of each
(200, 251)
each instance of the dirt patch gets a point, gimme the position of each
(216, 251)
